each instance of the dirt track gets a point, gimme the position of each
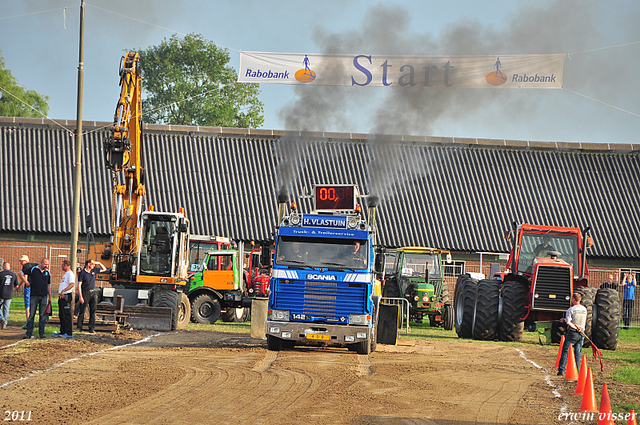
(209, 377)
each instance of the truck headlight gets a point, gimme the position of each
(280, 315)
(359, 319)
(361, 335)
(294, 219)
(349, 338)
(352, 223)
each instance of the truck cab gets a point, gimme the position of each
(324, 289)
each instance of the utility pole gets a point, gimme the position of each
(77, 183)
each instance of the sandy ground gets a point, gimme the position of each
(199, 377)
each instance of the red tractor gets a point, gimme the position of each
(545, 267)
(258, 271)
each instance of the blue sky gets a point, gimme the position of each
(603, 39)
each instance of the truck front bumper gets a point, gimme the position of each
(318, 332)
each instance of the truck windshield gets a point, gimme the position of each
(416, 263)
(322, 253)
(539, 244)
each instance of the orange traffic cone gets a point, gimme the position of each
(559, 353)
(582, 377)
(632, 418)
(589, 403)
(572, 369)
(604, 415)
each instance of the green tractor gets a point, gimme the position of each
(418, 277)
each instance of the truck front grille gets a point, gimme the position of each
(333, 301)
(552, 288)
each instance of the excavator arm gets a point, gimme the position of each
(124, 158)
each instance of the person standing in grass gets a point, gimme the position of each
(24, 283)
(64, 301)
(40, 283)
(8, 282)
(629, 285)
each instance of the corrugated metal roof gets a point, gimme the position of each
(459, 194)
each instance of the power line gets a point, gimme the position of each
(33, 13)
(153, 25)
(36, 110)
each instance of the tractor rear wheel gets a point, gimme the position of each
(486, 322)
(237, 315)
(447, 317)
(514, 299)
(464, 303)
(606, 319)
(588, 297)
(444, 297)
(391, 288)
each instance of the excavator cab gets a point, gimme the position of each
(162, 243)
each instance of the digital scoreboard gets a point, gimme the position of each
(336, 197)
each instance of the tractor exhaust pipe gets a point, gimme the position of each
(586, 244)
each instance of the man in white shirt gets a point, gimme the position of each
(576, 319)
(64, 302)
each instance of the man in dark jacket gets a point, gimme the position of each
(8, 282)
(87, 292)
(40, 283)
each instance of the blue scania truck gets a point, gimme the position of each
(324, 286)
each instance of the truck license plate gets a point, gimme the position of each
(319, 336)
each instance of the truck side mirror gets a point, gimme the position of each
(379, 263)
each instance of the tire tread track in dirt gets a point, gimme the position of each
(265, 364)
(364, 366)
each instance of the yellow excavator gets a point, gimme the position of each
(147, 257)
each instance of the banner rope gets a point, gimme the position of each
(604, 103)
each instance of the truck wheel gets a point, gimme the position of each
(169, 299)
(184, 312)
(447, 317)
(465, 300)
(606, 319)
(364, 347)
(274, 343)
(514, 299)
(486, 323)
(237, 315)
(588, 297)
(205, 309)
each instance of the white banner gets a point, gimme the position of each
(510, 71)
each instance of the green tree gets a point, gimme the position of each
(188, 82)
(17, 101)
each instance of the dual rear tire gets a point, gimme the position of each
(481, 313)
